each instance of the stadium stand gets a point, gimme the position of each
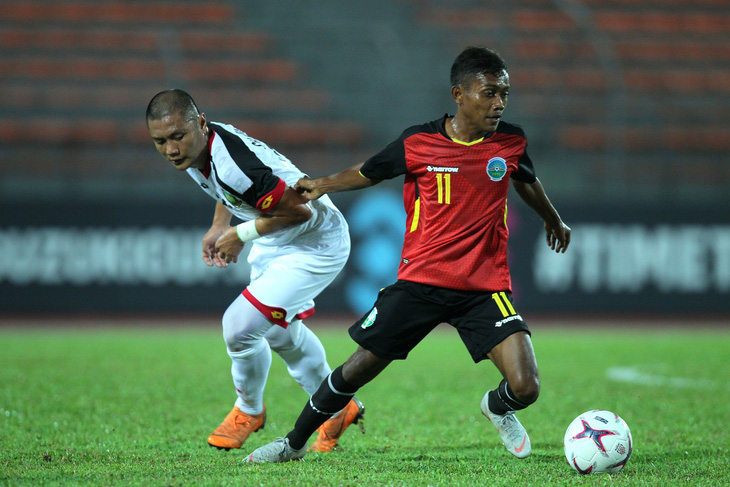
(632, 94)
(636, 92)
(75, 77)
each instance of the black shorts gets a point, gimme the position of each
(405, 312)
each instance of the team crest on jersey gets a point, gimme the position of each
(496, 168)
(232, 199)
(370, 319)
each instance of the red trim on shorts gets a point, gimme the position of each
(267, 202)
(275, 315)
(305, 314)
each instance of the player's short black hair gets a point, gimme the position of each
(168, 102)
(474, 61)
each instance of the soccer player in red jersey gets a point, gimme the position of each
(454, 260)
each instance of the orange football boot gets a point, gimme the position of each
(236, 428)
(332, 429)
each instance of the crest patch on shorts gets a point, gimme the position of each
(370, 319)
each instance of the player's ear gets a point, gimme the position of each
(202, 123)
(457, 93)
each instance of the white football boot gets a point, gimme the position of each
(278, 451)
(514, 436)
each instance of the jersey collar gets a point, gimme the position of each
(206, 170)
(442, 128)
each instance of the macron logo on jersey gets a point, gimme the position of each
(442, 169)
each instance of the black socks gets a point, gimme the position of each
(332, 396)
(502, 399)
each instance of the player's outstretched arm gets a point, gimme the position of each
(557, 233)
(346, 180)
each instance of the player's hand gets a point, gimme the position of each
(210, 255)
(308, 188)
(558, 237)
(228, 246)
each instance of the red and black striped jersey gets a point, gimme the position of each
(455, 197)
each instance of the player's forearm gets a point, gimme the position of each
(268, 224)
(256, 228)
(536, 198)
(291, 210)
(221, 216)
(347, 180)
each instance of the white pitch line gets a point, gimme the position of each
(633, 376)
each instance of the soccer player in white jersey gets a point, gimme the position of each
(297, 248)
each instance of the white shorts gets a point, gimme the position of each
(286, 279)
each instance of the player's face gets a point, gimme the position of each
(180, 140)
(482, 101)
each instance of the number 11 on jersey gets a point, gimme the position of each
(443, 182)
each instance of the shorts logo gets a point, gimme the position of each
(277, 315)
(507, 320)
(370, 319)
(496, 168)
(234, 200)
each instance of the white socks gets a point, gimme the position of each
(305, 358)
(250, 369)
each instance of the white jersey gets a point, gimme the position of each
(249, 178)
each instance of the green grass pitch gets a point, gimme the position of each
(134, 406)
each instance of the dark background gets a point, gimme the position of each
(625, 105)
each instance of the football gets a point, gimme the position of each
(598, 442)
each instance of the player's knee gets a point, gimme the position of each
(238, 333)
(234, 339)
(231, 330)
(526, 389)
(362, 367)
